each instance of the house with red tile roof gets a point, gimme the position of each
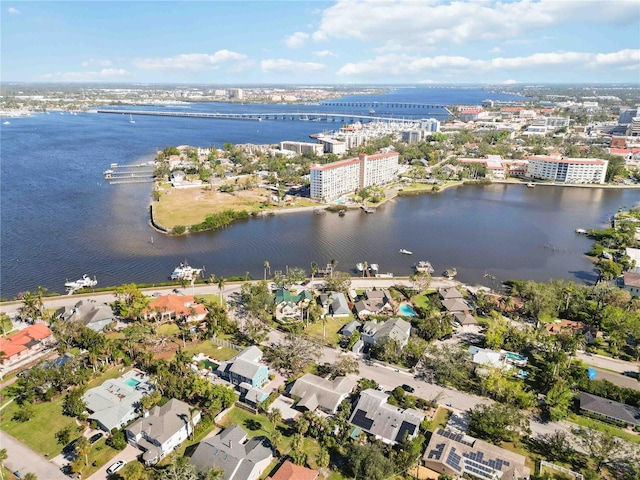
(291, 471)
(25, 343)
(176, 306)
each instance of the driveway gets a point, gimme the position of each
(128, 455)
(22, 459)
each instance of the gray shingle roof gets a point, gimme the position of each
(610, 408)
(374, 415)
(163, 422)
(232, 452)
(317, 391)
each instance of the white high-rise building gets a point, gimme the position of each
(330, 181)
(567, 170)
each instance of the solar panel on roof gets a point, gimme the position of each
(360, 420)
(437, 452)
(407, 428)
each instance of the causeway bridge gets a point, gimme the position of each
(374, 105)
(257, 117)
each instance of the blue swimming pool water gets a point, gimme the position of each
(407, 310)
(132, 382)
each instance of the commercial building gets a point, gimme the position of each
(330, 181)
(567, 170)
(302, 147)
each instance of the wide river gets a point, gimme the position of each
(61, 220)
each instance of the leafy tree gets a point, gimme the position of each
(30, 476)
(338, 282)
(150, 400)
(497, 422)
(323, 458)
(134, 471)
(74, 405)
(293, 354)
(557, 445)
(33, 306)
(63, 436)
(117, 440)
(82, 449)
(130, 301)
(3, 458)
(344, 365)
(180, 468)
(602, 447)
(24, 413)
(559, 400)
(274, 415)
(368, 461)
(353, 339)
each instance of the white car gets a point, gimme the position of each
(115, 467)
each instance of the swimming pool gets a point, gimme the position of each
(407, 310)
(132, 382)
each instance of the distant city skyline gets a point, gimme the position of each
(320, 42)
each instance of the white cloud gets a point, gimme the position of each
(282, 65)
(93, 76)
(100, 63)
(410, 24)
(324, 53)
(195, 62)
(296, 40)
(407, 65)
(13, 11)
(509, 82)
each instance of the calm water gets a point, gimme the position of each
(59, 219)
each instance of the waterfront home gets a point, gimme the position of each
(317, 392)
(455, 454)
(446, 293)
(289, 305)
(374, 302)
(245, 367)
(609, 410)
(174, 306)
(335, 304)
(290, 471)
(454, 305)
(89, 313)
(239, 457)
(115, 402)
(395, 329)
(162, 429)
(25, 343)
(464, 319)
(386, 422)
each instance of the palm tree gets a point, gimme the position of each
(267, 266)
(3, 457)
(221, 281)
(192, 426)
(365, 265)
(334, 264)
(314, 270)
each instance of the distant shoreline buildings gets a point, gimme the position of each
(559, 169)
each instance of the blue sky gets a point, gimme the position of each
(318, 42)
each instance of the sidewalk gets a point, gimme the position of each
(21, 458)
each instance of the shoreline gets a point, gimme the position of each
(395, 193)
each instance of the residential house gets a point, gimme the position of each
(609, 410)
(350, 328)
(252, 396)
(447, 293)
(238, 457)
(335, 304)
(631, 282)
(245, 367)
(89, 313)
(290, 471)
(395, 328)
(374, 302)
(464, 319)
(454, 305)
(162, 429)
(488, 357)
(289, 305)
(455, 454)
(573, 328)
(175, 306)
(386, 422)
(115, 403)
(317, 392)
(25, 343)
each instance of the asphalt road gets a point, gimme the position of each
(24, 460)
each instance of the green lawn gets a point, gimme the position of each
(113, 372)
(603, 427)
(209, 348)
(256, 425)
(210, 298)
(101, 453)
(333, 325)
(168, 329)
(440, 419)
(38, 432)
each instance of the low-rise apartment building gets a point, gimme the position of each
(331, 180)
(567, 170)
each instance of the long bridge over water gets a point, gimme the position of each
(299, 116)
(374, 105)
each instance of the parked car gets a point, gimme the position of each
(115, 467)
(407, 388)
(94, 438)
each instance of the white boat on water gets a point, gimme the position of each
(423, 267)
(531, 185)
(359, 267)
(405, 252)
(450, 273)
(6, 123)
(131, 120)
(185, 272)
(373, 267)
(581, 231)
(84, 282)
